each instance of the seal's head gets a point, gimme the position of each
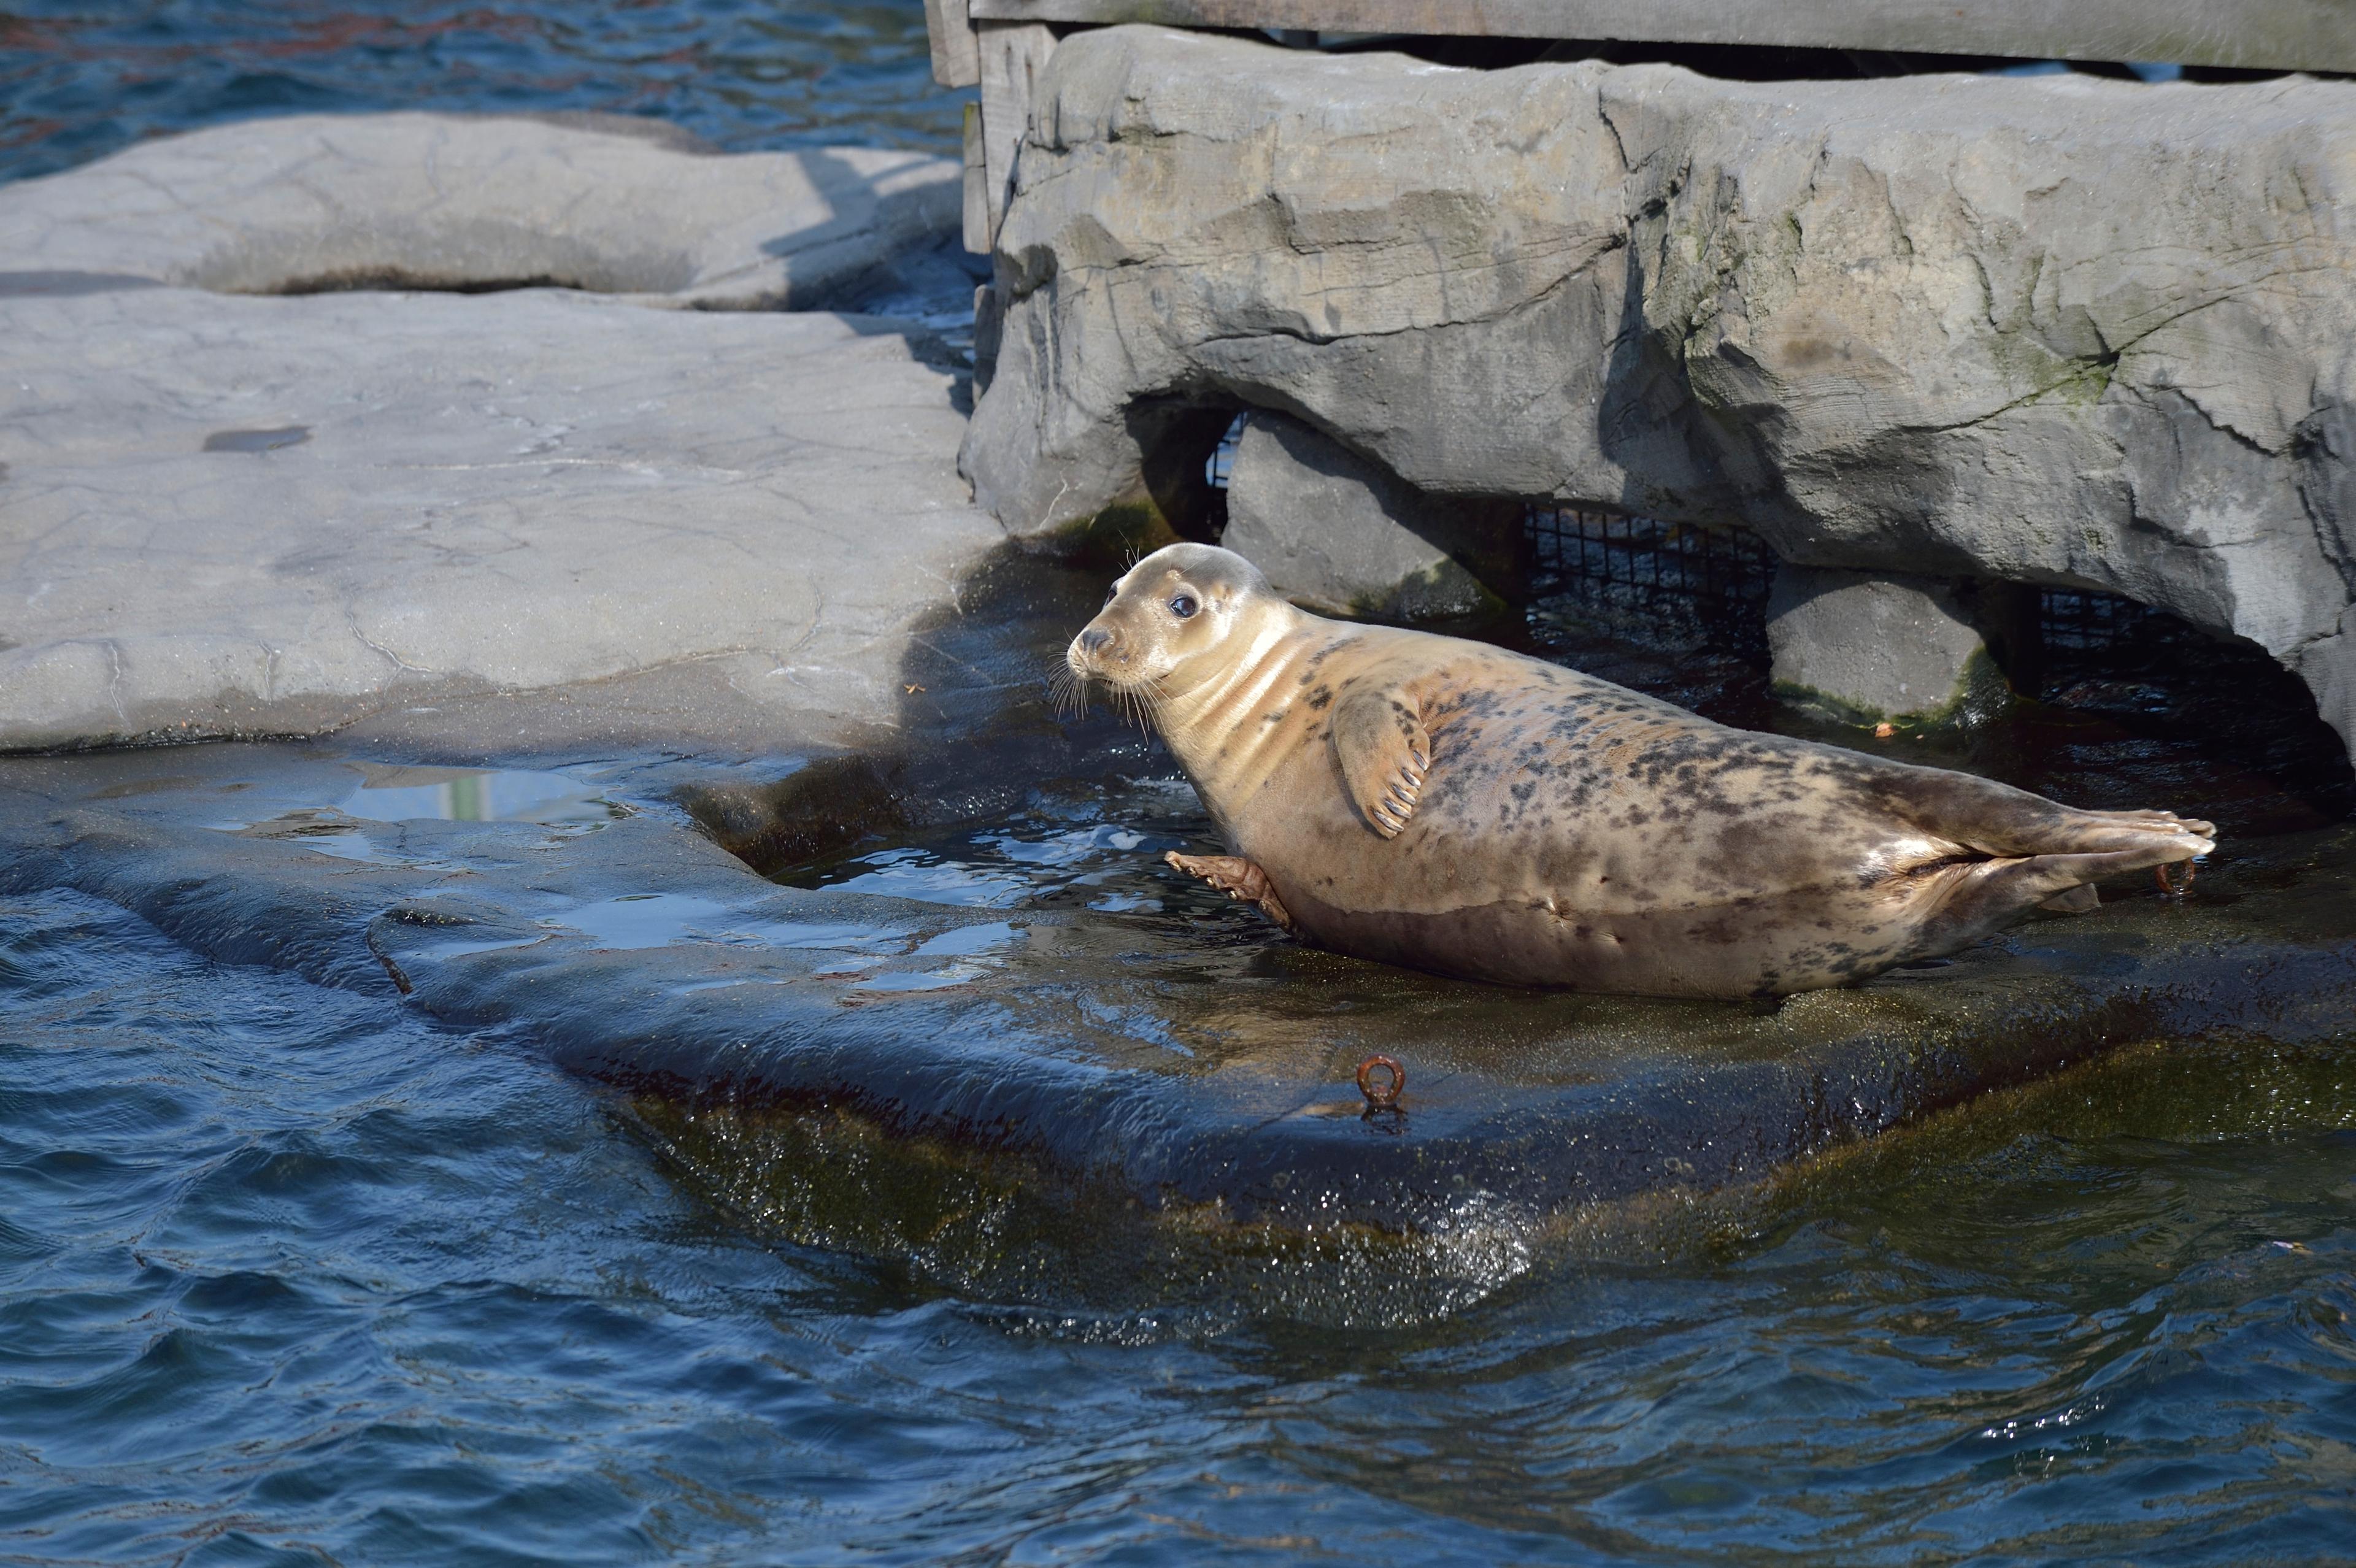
(1184, 609)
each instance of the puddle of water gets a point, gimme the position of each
(331, 833)
(328, 836)
(352, 827)
(389, 793)
(967, 941)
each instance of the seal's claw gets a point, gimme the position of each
(1383, 752)
(1238, 878)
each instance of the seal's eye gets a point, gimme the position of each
(1113, 594)
(1184, 606)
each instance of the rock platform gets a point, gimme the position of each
(607, 204)
(535, 515)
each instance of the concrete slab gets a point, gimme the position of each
(227, 517)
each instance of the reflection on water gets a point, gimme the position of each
(363, 823)
(1094, 845)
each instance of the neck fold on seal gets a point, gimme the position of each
(1219, 727)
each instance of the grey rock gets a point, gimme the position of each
(1346, 537)
(2051, 330)
(1865, 649)
(529, 516)
(446, 201)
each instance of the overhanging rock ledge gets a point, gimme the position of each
(2052, 330)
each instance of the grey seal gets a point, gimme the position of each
(1456, 807)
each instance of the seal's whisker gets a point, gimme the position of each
(1147, 703)
(1145, 708)
(1067, 692)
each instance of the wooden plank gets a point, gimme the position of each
(956, 52)
(2272, 34)
(1012, 55)
(976, 184)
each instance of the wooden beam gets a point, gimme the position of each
(976, 184)
(1012, 55)
(957, 54)
(2271, 35)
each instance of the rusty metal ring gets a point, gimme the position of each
(2175, 890)
(1386, 1098)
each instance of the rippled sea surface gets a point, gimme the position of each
(81, 77)
(290, 1276)
(287, 1275)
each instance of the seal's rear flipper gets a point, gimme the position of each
(2005, 823)
(1994, 891)
(1238, 878)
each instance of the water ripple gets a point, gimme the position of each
(79, 80)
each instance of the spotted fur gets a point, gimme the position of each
(1563, 830)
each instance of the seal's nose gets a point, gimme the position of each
(1094, 639)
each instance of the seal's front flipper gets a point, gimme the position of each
(1383, 751)
(1238, 878)
(2080, 899)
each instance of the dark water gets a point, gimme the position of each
(290, 1276)
(286, 1276)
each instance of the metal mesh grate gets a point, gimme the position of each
(1688, 579)
(2080, 620)
(1704, 584)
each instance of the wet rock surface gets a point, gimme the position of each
(1174, 1052)
(472, 202)
(2050, 329)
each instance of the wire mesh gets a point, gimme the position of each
(2078, 619)
(1697, 583)
(1688, 579)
